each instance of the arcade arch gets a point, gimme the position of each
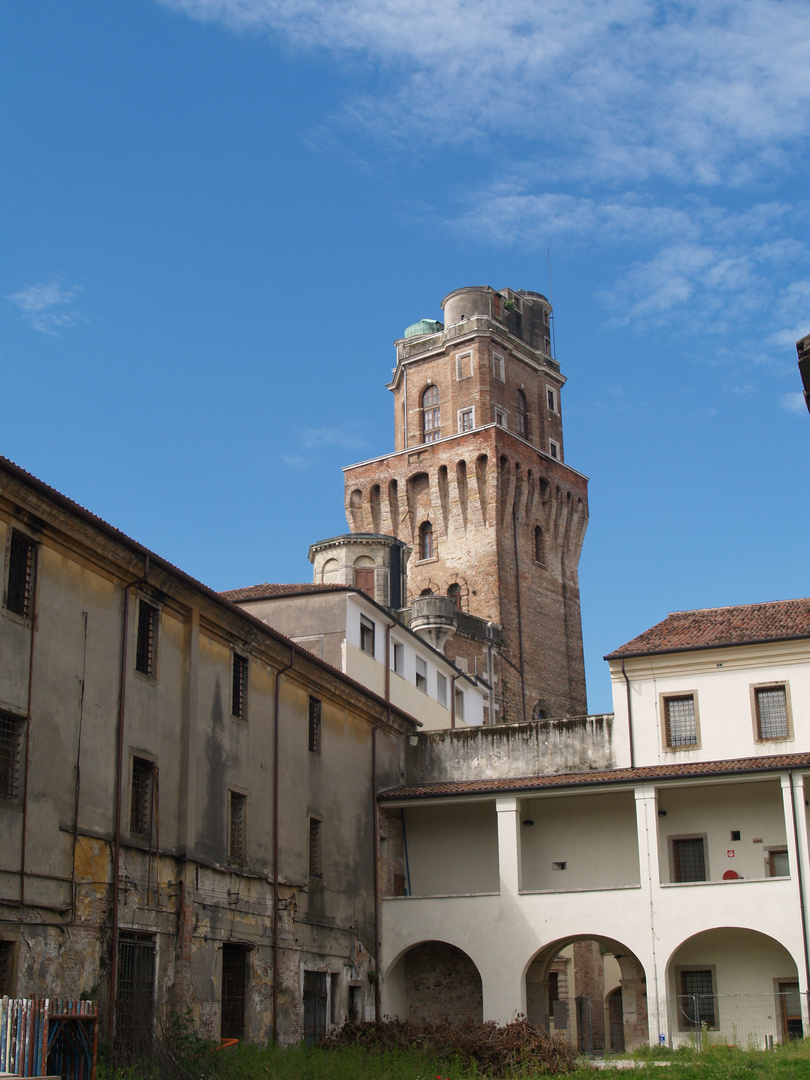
(433, 979)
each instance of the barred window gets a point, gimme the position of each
(315, 847)
(237, 827)
(688, 859)
(772, 712)
(142, 797)
(239, 686)
(697, 999)
(20, 584)
(11, 732)
(680, 721)
(314, 725)
(146, 645)
(7, 969)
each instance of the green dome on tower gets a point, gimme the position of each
(424, 326)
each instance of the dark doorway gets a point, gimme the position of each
(135, 994)
(314, 1006)
(234, 986)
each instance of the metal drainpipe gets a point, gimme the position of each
(517, 589)
(375, 813)
(799, 879)
(405, 405)
(453, 700)
(277, 696)
(119, 785)
(629, 718)
(27, 749)
(78, 784)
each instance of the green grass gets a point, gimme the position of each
(791, 1062)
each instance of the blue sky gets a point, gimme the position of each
(218, 215)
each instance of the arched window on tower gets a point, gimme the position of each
(425, 540)
(522, 415)
(454, 592)
(431, 415)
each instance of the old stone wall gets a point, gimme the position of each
(442, 981)
(538, 748)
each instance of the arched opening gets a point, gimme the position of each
(454, 592)
(431, 415)
(426, 545)
(734, 985)
(329, 572)
(522, 414)
(539, 545)
(434, 979)
(592, 991)
(364, 574)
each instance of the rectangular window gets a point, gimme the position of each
(778, 864)
(142, 797)
(497, 366)
(421, 674)
(398, 658)
(239, 687)
(441, 689)
(680, 721)
(688, 859)
(554, 449)
(500, 417)
(466, 419)
(7, 987)
(334, 998)
(366, 635)
(135, 992)
(146, 645)
(314, 725)
(697, 1000)
(364, 576)
(459, 704)
(237, 827)
(20, 582)
(464, 365)
(551, 399)
(234, 987)
(11, 739)
(315, 847)
(771, 711)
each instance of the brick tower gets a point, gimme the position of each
(478, 488)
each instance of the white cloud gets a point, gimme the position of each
(314, 438)
(711, 91)
(793, 402)
(47, 306)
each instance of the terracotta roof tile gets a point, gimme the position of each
(706, 628)
(269, 590)
(684, 770)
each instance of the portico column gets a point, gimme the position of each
(796, 838)
(502, 978)
(650, 880)
(508, 845)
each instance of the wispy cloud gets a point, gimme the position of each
(793, 402)
(314, 440)
(710, 91)
(47, 306)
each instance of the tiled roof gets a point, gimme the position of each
(685, 770)
(269, 590)
(707, 628)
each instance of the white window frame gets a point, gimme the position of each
(460, 365)
(441, 689)
(554, 449)
(459, 703)
(421, 673)
(367, 627)
(551, 400)
(470, 411)
(501, 417)
(397, 657)
(498, 367)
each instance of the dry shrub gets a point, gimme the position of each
(489, 1049)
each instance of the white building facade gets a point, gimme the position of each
(679, 845)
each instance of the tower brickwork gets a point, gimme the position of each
(478, 488)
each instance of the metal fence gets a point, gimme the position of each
(48, 1035)
(755, 1021)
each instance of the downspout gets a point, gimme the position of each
(376, 826)
(119, 785)
(27, 750)
(276, 740)
(453, 700)
(629, 718)
(799, 879)
(78, 784)
(405, 405)
(520, 620)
